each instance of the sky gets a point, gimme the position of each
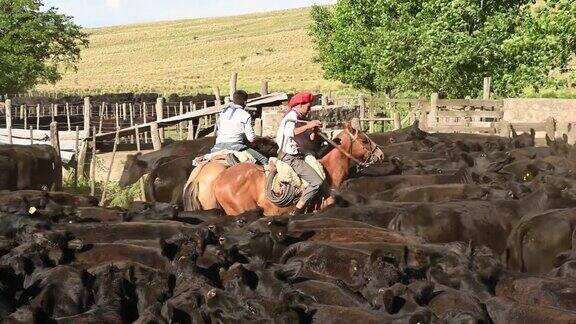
(99, 13)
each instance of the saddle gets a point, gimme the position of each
(284, 186)
(227, 157)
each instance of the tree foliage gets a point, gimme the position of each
(447, 46)
(36, 45)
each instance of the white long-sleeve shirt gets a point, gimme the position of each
(233, 124)
(285, 134)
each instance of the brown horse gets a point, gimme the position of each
(241, 188)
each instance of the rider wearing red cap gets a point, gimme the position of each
(293, 125)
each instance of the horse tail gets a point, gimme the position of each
(191, 191)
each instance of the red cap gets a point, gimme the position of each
(301, 98)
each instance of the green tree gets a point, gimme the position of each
(36, 45)
(447, 46)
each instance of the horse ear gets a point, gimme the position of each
(347, 126)
(532, 133)
(514, 134)
(565, 137)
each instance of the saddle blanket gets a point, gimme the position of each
(243, 157)
(287, 176)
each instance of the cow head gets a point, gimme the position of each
(134, 169)
(524, 140)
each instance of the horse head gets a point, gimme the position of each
(359, 145)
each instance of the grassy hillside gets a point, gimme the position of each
(190, 56)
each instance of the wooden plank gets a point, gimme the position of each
(377, 119)
(525, 127)
(460, 129)
(470, 103)
(471, 114)
(162, 123)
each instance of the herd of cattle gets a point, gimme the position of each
(449, 228)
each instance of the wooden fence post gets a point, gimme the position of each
(397, 121)
(487, 89)
(67, 107)
(433, 120)
(190, 130)
(31, 135)
(104, 189)
(87, 114)
(181, 125)
(233, 83)
(258, 126)
(55, 141)
(264, 88)
(551, 128)
(124, 114)
(25, 116)
(38, 116)
(76, 144)
(131, 121)
(93, 165)
(141, 181)
(145, 116)
(51, 111)
(324, 101)
(362, 107)
(356, 123)
(8, 110)
(154, 132)
(159, 116)
(504, 129)
(217, 96)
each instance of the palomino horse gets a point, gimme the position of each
(241, 188)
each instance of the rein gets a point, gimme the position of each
(336, 146)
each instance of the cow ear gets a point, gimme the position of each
(88, 279)
(549, 142)
(514, 134)
(169, 250)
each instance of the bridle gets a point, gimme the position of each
(353, 138)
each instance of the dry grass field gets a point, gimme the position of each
(192, 56)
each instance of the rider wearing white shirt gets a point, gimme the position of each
(235, 124)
